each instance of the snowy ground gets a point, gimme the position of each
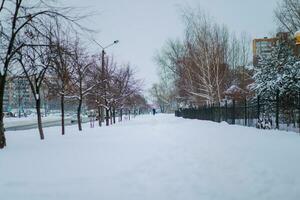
(152, 158)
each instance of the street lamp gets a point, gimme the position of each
(103, 52)
(103, 75)
(103, 48)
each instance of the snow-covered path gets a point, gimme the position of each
(152, 158)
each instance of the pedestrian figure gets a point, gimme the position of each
(153, 111)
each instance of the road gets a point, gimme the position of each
(32, 124)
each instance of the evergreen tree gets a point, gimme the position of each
(277, 71)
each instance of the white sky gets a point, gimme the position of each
(142, 26)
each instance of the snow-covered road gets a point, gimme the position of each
(152, 158)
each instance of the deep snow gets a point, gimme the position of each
(152, 158)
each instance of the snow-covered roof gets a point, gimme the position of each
(233, 89)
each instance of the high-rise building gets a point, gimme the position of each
(263, 46)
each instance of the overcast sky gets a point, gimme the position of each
(142, 26)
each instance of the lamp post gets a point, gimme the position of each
(104, 77)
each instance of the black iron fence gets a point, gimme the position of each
(278, 113)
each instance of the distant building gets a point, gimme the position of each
(18, 98)
(17, 94)
(263, 46)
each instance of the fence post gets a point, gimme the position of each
(212, 118)
(226, 119)
(277, 109)
(233, 111)
(219, 112)
(258, 107)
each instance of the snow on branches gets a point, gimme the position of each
(277, 71)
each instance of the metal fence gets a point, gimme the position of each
(279, 113)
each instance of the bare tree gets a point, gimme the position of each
(59, 74)
(139, 103)
(287, 15)
(201, 67)
(95, 98)
(100, 82)
(169, 60)
(35, 61)
(16, 16)
(160, 96)
(81, 86)
(103, 88)
(123, 85)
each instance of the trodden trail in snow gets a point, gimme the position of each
(152, 158)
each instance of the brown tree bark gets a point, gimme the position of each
(99, 116)
(39, 118)
(78, 115)
(114, 115)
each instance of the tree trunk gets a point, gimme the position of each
(78, 115)
(102, 114)
(45, 106)
(114, 115)
(99, 116)
(39, 117)
(107, 116)
(110, 116)
(129, 114)
(62, 107)
(19, 104)
(2, 130)
(121, 114)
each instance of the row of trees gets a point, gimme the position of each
(209, 65)
(41, 42)
(201, 67)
